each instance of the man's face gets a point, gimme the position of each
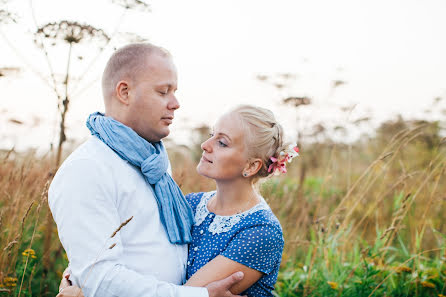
(152, 98)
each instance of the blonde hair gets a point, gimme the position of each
(126, 63)
(265, 135)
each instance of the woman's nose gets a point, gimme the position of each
(206, 145)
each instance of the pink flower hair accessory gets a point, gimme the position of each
(278, 165)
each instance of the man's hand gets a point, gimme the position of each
(221, 288)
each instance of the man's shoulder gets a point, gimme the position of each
(92, 149)
(91, 160)
(91, 167)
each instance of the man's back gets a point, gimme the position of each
(93, 192)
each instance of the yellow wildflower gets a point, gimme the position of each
(29, 253)
(333, 285)
(427, 284)
(9, 282)
(441, 295)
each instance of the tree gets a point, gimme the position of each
(70, 34)
(65, 38)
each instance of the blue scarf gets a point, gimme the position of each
(151, 158)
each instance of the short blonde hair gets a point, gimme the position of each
(264, 137)
(126, 63)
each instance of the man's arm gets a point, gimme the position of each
(82, 201)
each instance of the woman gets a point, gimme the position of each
(234, 229)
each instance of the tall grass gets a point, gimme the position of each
(374, 228)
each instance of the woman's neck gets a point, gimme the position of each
(233, 197)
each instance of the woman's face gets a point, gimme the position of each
(225, 153)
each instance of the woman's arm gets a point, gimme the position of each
(221, 267)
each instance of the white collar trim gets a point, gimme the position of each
(222, 223)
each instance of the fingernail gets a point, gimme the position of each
(239, 274)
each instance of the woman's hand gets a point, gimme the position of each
(66, 289)
(71, 291)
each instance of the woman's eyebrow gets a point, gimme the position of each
(223, 134)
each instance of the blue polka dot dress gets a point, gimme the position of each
(252, 238)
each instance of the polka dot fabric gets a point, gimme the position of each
(255, 241)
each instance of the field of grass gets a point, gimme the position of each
(365, 219)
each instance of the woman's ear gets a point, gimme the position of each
(122, 92)
(252, 167)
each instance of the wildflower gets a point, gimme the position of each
(441, 295)
(333, 285)
(427, 284)
(10, 281)
(29, 253)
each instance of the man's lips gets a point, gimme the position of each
(168, 119)
(205, 159)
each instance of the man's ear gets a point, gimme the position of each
(252, 167)
(122, 92)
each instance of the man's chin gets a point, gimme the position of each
(163, 134)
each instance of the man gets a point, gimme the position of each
(119, 174)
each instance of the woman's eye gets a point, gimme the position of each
(221, 143)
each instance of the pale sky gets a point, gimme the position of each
(392, 54)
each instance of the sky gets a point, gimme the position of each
(390, 54)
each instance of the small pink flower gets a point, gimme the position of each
(279, 164)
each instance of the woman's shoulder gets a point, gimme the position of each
(264, 218)
(194, 198)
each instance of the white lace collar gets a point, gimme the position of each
(222, 223)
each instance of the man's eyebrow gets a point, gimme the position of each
(170, 86)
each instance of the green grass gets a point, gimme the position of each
(372, 228)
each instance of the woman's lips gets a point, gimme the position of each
(205, 159)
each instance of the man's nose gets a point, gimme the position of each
(173, 103)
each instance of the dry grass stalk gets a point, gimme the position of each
(1, 219)
(120, 226)
(43, 197)
(401, 265)
(101, 250)
(26, 214)
(9, 246)
(397, 217)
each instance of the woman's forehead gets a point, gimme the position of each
(230, 124)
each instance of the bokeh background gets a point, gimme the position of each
(359, 85)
